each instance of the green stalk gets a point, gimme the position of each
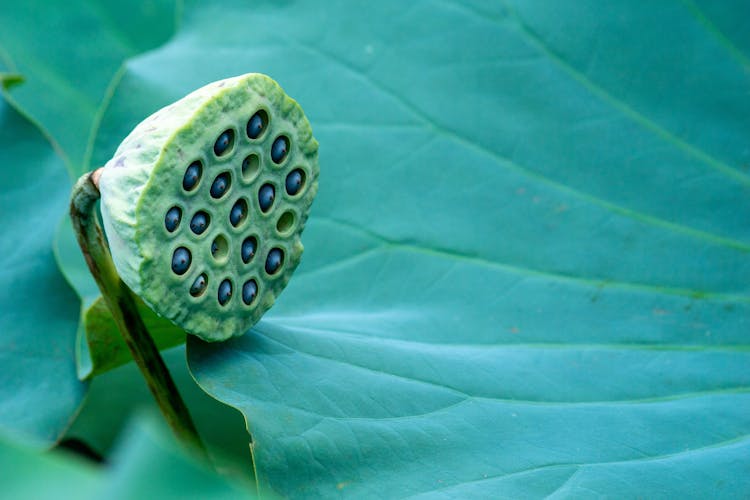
(121, 303)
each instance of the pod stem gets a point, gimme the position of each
(121, 303)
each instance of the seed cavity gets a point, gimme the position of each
(266, 195)
(238, 213)
(279, 149)
(224, 143)
(249, 291)
(250, 167)
(257, 124)
(248, 249)
(285, 222)
(200, 221)
(225, 292)
(192, 176)
(172, 219)
(294, 181)
(219, 248)
(274, 260)
(199, 285)
(181, 261)
(221, 185)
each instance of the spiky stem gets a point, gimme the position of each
(121, 303)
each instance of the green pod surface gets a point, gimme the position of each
(155, 209)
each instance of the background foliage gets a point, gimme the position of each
(526, 272)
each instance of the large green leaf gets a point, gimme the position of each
(527, 272)
(70, 56)
(527, 268)
(39, 390)
(146, 464)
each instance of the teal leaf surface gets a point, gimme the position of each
(70, 61)
(147, 463)
(39, 390)
(526, 272)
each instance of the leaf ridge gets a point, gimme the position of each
(626, 109)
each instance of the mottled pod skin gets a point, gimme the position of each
(146, 178)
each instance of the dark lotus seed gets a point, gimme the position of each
(279, 149)
(255, 126)
(172, 219)
(221, 185)
(248, 248)
(192, 176)
(238, 212)
(266, 196)
(274, 260)
(224, 142)
(199, 222)
(199, 285)
(214, 248)
(225, 292)
(181, 261)
(294, 182)
(249, 291)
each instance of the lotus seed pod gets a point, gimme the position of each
(204, 202)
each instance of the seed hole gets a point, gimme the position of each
(219, 248)
(274, 260)
(192, 176)
(224, 142)
(266, 195)
(279, 149)
(181, 260)
(294, 181)
(257, 124)
(199, 285)
(238, 213)
(225, 292)
(248, 248)
(285, 222)
(250, 167)
(249, 291)
(200, 221)
(172, 219)
(221, 185)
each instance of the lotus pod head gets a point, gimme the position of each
(204, 202)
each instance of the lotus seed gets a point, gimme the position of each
(238, 213)
(181, 261)
(224, 142)
(294, 181)
(214, 248)
(221, 185)
(249, 291)
(192, 176)
(199, 222)
(266, 196)
(172, 219)
(248, 248)
(274, 260)
(225, 292)
(255, 125)
(279, 149)
(199, 285)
